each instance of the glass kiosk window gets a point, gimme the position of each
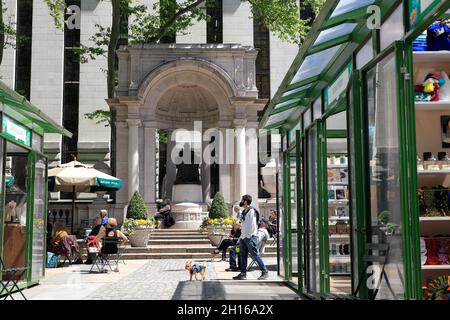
(293, 210)
(15, 212)
(312, 222)
(39, 218)
(384, 174)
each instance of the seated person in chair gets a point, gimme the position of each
(62, 243)
(110, 231)
(230, 241)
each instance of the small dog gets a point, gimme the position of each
(195, 269)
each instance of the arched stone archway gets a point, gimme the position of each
(208, 84)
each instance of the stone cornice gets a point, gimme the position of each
(240, 123)
(134, 122)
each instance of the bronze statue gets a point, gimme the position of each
(187, 173)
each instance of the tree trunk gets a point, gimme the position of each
(2, 32)
(115, 33)
(111, 78)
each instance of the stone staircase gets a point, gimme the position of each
(179, 244)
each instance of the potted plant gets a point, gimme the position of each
(218, 228)
(139, 223)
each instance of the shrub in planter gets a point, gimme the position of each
(219, 208)
(139, 223)
(136, 208)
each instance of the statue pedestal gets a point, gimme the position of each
(187, 193)
(188, 209)
(188, 215)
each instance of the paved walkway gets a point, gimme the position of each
(157, 280)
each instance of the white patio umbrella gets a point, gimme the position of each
(78, 177)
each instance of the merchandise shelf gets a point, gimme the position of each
(429, 172)
(431, 56)
(433, 106)
(338, 218)
(437, 267)
(342, 183)
(340, 166)
(434, 219)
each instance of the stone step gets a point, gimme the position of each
(177, 231)
(191, 236)
(190, 255)
(179, 242)
(182, 249)
(171, 249)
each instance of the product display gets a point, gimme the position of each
(432, 96)
(338, 215)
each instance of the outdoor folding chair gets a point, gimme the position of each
(381, 257)
(13, 276)
(263, 249)
(110, 253)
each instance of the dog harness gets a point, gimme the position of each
(197, 268)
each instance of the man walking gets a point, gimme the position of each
(248, 239)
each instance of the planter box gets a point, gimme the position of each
(217, 234)
(140, 237)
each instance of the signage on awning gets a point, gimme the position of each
(16, 131)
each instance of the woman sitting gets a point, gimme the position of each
(62, 243)
(110, 232)
(230, 241)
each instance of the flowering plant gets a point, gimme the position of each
(130, 225)
(218, 222)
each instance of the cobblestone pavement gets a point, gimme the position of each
(157, 280)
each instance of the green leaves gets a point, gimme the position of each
(136, 208)
(57, 9)
(219, 208)
(100, 116)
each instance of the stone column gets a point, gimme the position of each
(205, 175)
(226, 158)
(122, 160)
(133, 156)
(251, 172)
(240, 164)
(171, 169)
(150, 163)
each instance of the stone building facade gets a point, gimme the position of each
(51, 76)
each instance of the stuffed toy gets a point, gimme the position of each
(430, 89)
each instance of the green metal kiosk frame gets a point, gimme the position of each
(23, 125)
(344, 51)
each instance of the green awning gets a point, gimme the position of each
(339, 29)
(33, 114)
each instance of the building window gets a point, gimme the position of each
(167, 9)
(23, 51)
(214, 25)
(71, 90)
(262, 44)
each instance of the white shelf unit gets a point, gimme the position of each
(436, 267)
(337, 166)
(337, 183)
(433, 106)
(429, 172)
(431, 56)
(434, 219)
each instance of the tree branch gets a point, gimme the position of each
(163, 29)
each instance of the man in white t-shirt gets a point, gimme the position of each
(248, 239)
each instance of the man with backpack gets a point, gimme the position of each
(248, 239)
